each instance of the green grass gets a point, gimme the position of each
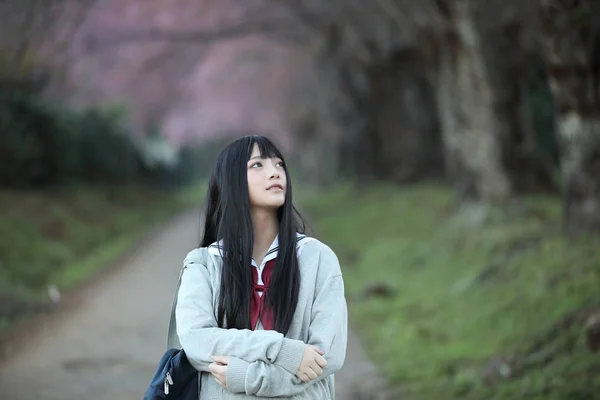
(468, 286)
(64, 237)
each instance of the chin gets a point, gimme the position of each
(272, 204)
(277, 204)
(268, 202)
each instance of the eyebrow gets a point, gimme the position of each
(262, 158)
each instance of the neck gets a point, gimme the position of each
(265, 227)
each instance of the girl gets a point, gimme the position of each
(261, 309)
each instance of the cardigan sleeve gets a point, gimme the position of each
(201, 338)
(327, 331)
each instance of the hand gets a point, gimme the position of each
(218, 369)
(312, 363)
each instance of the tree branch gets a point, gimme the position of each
(315, 21)
(270, 28)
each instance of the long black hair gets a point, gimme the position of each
(227, 219)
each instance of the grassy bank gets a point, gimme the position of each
(482, 303)
(61, 238)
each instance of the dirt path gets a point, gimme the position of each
(107, 346)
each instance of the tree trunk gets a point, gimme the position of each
(580, 145)
(389, 122)
(571, 44)
(468, 122)
(489, 140)
(405, 115)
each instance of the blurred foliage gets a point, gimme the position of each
(465, 304)
(44, 144)
(25, 66)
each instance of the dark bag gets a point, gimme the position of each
(175, 377)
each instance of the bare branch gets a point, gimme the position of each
(31, 11)
(315, 20)
(277, 29)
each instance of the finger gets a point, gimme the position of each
(216, 359)
(220, 378)
(217, 369)
(219, 381)
(317, 369)
(305, 378)
(311, 374)
(321, 361)
(224, 360)
(221, 370)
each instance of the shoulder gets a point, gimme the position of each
(200, 268)
(197, 256)
(318, 254)
(202, 258)
(315, 247)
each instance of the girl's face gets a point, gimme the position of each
(266, 181)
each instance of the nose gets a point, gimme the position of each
(274, 172)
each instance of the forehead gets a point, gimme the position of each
(256, 152)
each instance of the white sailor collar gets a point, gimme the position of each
(301, 239)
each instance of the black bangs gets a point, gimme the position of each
(266, 148)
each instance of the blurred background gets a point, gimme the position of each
(447, 150)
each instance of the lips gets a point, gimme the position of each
(276, 186)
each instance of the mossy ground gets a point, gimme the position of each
(467, 303)
(62, 237)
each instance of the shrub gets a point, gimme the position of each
(45, 144)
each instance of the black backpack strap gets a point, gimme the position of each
(172, 338)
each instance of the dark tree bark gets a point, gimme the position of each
(570, 37)
(384, 102)
(407, 139)
(487, 127)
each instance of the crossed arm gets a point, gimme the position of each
(262, 363)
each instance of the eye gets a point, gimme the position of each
(280, 164)
(256, 164)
